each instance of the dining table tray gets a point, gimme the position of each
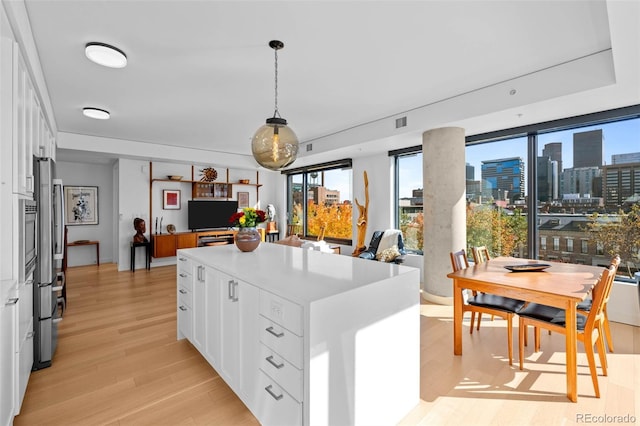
(528, 267)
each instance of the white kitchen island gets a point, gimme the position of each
(305, 337)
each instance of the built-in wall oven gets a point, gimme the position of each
(28, 237)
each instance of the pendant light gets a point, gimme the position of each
(275, 145)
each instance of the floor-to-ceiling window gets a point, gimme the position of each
(408, 210)
(319, 201)
(589, 191)
(567, 190)
(496, 188)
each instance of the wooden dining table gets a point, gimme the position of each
(562, 285)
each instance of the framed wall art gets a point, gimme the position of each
(243, 200)
(81, 205)
(171, 199)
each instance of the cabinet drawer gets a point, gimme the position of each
(184, 264)
(185, 321)
(282, 341)
(185, 280)
(283, 372)
(185, 297)
(281, 311)
(274, 406)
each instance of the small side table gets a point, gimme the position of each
(88, 243)
(273, 236)
(147, 252)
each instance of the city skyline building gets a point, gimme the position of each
(588, 149)
(584, 181)
(503, 179)
(621, 184)
(630, 157)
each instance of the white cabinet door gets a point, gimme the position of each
(7, 356)
(19, 123)
(199, 307)
(249, 341)
(229, 329)
(212, 317)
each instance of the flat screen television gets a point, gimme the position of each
(210, 214)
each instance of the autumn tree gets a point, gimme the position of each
(618, 234)
(503, 232)
(335, 218)
(412, 230)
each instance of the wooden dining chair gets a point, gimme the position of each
(590, 327)
(491, 304)
(585, 307)
(480, 254)
(292, 229)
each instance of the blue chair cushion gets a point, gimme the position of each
(496, 302)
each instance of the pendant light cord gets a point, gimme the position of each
(276, 112)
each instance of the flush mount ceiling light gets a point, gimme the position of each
(275, 145)
(97, 113)
(106, 55)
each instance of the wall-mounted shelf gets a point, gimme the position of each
(202, 190)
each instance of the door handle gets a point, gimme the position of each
(12, 301)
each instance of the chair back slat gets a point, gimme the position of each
(480, 254)
(615, 262)
(599, 293)
(459, 260)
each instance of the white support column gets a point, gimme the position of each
(444, 195)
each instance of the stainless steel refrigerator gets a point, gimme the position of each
(49, 198)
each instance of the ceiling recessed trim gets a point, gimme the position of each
(105, 55)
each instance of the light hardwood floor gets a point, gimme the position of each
(118, 363)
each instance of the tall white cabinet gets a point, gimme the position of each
(24, 132)
(305, 337)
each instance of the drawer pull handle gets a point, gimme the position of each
(182, 291)
(276, 397)
(182, 308)
(272, 362)
(12, 301)
(278, 335)
(182, 259)
(183, 275)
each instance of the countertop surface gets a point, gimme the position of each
(300, 275)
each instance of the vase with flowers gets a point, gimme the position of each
(247, 238)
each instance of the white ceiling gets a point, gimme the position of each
(201, 75)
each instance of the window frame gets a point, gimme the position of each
(305, 171)
(531, 132)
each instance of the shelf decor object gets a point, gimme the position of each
(170, 199)
(209, 174)
(275, 145)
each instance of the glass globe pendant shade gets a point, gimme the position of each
(275, 145)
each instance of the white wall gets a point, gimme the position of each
(124, 195)
(133, 200)
(379, 170)
(100, 175)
